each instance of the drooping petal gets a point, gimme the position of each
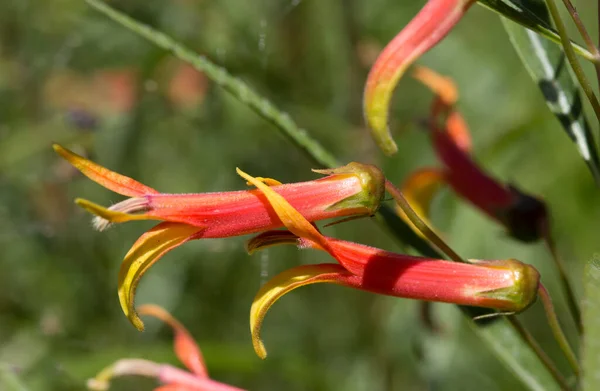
(424, 31)
(290, 217)
(105, 216)
(148, 249)
(185, 347)
(507, 285)
(266, 181)
(419, 189)
(281, 284)
(103, 176)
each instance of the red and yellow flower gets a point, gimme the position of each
(423, 32)
(354, 189)
(524, 216)
(506, 285)
(172, 378)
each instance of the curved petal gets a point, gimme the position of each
(419, 189)
(424, 31)
(105, 216)
(266, 181)
(283, 283)
(270, 238)
(148, 249)
(103, 176)
(290, 217)
(185, 347)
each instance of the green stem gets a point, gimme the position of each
(559, 335)
(420, 224)
(585, 35)
(568, 47)
(567, 286)
(225, 80)
(517, 325)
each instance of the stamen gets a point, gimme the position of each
(130, 206)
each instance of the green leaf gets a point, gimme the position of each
(591, 324)
(547, 66)
(518, 357)
(532, 14)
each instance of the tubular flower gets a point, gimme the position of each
(353, 189)
(423, 32)
(524, 216)
(506, 285)
(172, 378)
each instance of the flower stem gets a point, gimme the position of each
(568, 47)
(585, 35)
(567, 287)
(517, 325)
(420, 224)
(559, 335)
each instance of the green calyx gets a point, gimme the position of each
(372, 182)
(523, 291)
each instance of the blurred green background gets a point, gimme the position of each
(69, 75)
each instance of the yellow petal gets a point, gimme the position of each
(103, 176)
(148, 249)
(290, 217)
(282, 284)
(266, 181)
(419, 190)
(106, 215)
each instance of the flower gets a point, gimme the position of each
(506, 285)
(354, 189)
(524, 216)
(424, 31)
(172, 378)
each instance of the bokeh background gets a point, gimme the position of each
(69, 75)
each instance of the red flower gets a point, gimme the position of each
(506, 285)
(524, 216)
(423, 32)
(350, 190)
(172, 378)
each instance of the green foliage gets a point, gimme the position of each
(532, 14)
(548, 67)
(59, 320)
(591, 315)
